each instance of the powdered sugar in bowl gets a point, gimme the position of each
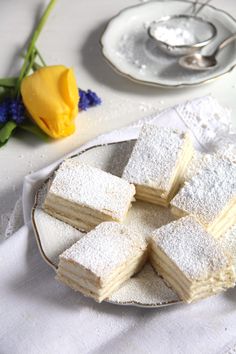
(181, 34)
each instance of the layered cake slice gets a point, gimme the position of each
(102, 260)
(190, 260)
(210, 196)
(84, 196)
(158, 162)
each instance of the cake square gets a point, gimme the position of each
(157, 163)
(84, 196)
(102, 260)
(210, 196)
(190, 260)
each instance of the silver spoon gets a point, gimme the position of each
(195, 10)
(198, 61)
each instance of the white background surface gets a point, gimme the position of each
(71, 38)
(38, 314)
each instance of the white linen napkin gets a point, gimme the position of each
(39, 315)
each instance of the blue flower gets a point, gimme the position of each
(4, 111)
(12, 109)
(17, 111)
(88, 99)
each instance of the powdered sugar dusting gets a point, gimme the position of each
(145, 288)
(91, 187)
(209, 191)
(198, 161)
(144, 218)
(105, 248)
(174, 36)
(191, 248)
(154, 157)
(228, 242)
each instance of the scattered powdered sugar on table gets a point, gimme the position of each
(146, 288)
(105, 248)
(209, 191)
(144, 60)
(154, 157)
(195, 252)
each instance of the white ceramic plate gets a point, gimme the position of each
(145, 289)
(130, 51)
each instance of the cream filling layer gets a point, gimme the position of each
(93, 287)
(220, 277)
(101, 280)
(115, 282)
(220, 225)
(77, 215)
(161, 197)
(78, 224)
(194, 289)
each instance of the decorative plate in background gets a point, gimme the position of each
(132, 53)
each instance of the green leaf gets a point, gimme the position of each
(6, 131)
(2, 144)
(36, 66)
(33, 40)
(5, 93)
(40, 57)
(34, 129)
(9, 82)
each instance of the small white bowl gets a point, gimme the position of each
(181, 34)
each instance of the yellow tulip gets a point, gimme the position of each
(51, 97)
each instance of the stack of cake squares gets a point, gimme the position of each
(185, 252)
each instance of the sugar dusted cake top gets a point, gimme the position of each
(154, 157)
(190, 247)
(93, 188)
(105, 248)
(209, 191)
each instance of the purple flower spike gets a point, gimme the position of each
(88, 99)
(4, 111)
(17, 111)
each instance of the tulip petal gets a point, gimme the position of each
(51, 97)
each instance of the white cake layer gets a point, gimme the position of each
(156, 156)
(104, 249)
(83, 185)
(96, 283)
(192, 249)
(215, 283)
(104, 259)
(102, 291)
(209, 193)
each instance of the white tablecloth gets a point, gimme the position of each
(40, 316)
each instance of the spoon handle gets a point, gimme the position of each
(201, 6)
(225, 43)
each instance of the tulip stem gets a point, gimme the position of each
(31, 45)
(31, 62)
